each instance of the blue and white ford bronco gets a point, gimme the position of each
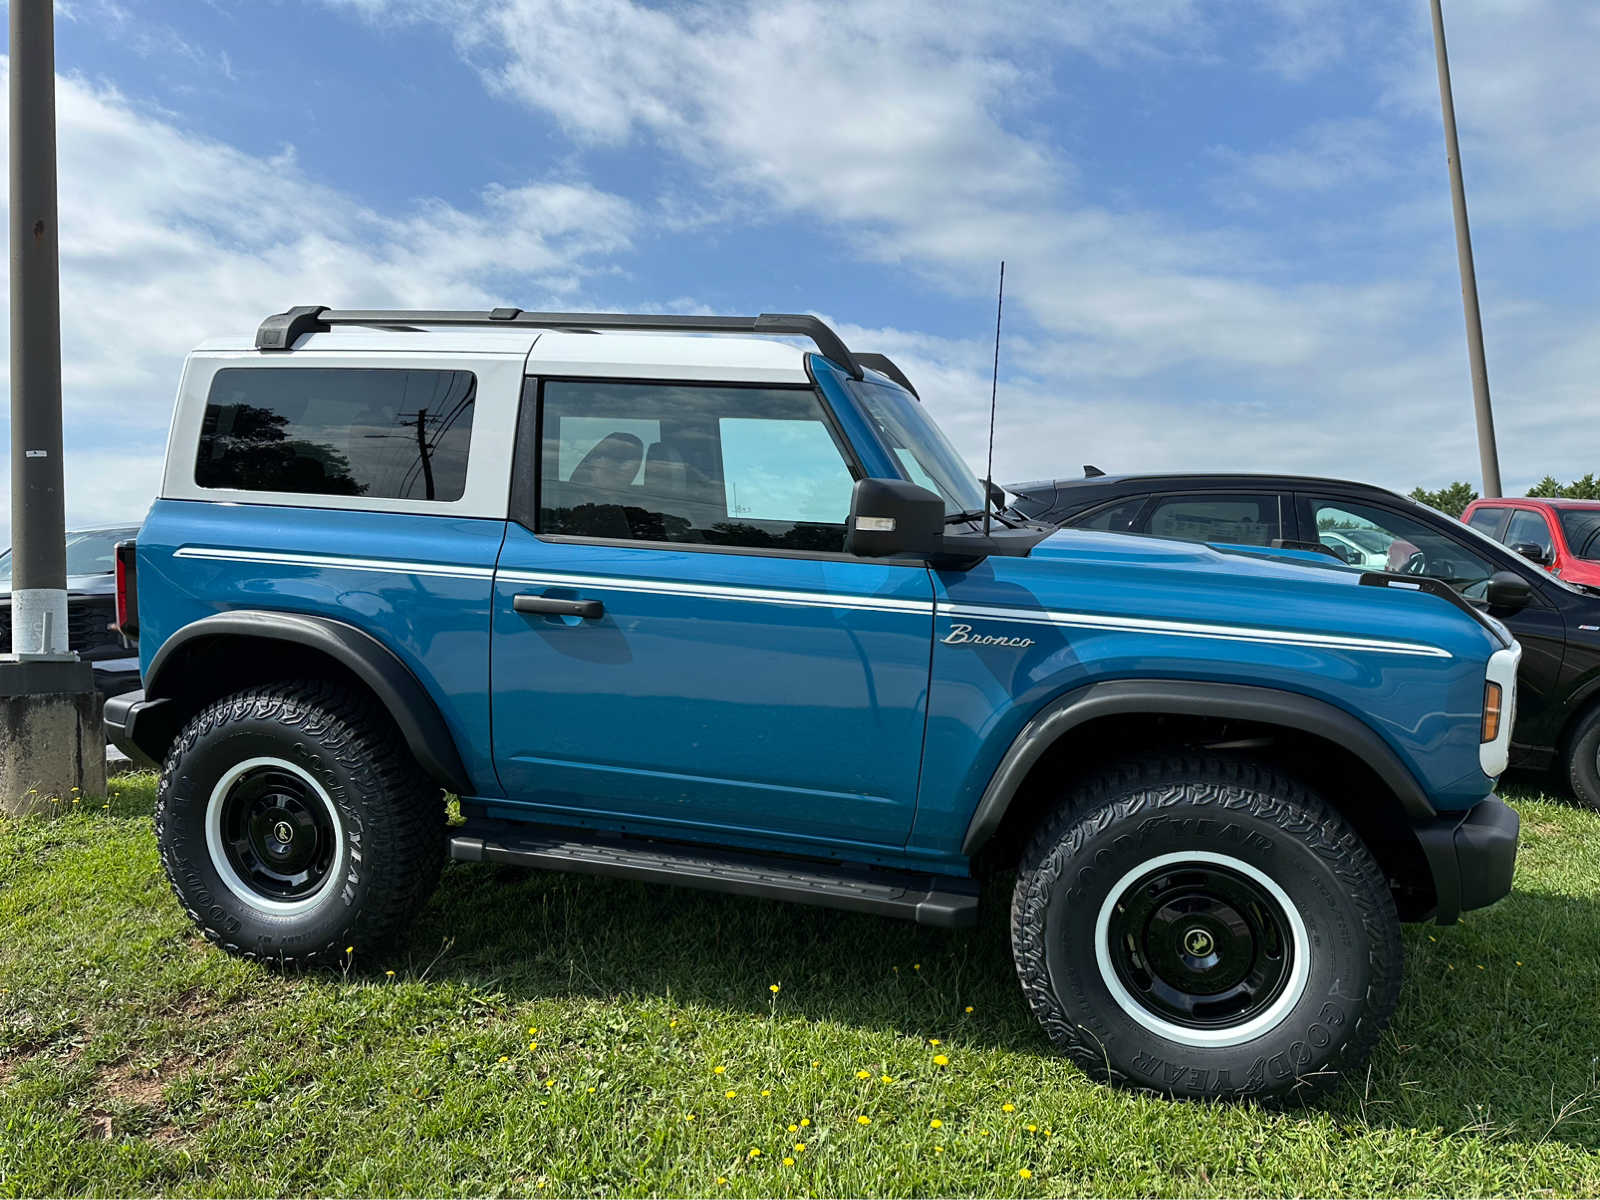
(726, 612)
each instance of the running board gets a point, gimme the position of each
(926, 899)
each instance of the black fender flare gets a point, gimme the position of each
(364, 656)
(1187, 697)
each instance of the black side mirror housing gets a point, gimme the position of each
(891, 518)
(1508, 591)
(1531, 551)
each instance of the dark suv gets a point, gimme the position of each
(1558, 624)
(91, 608)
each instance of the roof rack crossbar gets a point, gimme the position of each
(280, 331)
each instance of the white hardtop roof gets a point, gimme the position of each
(628, 355)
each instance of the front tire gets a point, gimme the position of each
(293, 822)
(1206, 927)
(1583, 761)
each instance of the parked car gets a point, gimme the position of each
(1557, 624)
(720, 612)
(1562, 536)
(91, 608)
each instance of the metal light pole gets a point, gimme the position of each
(1488, 457)
(54, 745)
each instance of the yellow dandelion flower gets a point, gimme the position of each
(549, 1083)
(730, 1093)
(788, 1160)
(719, 1070)
(805, 1122)
(1024, 1174)
(755, 1152)
(591, 1091)
(533, 1045)
(799, 1147)
(349, 949)
(916, 966)
(969, 1008)
(938, 1149)
(1032, 1128)
(888, 1078)
(766, 1091)
(672, 1024)
(774, 988)
(794, 1129)
(390, 974)
(863, 1074)
(863, 1120)
(688, 1116)
(722, 1179)
(816, 1062)
(936, 1124)
(941, 1060)
(533, 1029)
(1008, 1108)
(933, 1041)
(505, 1058)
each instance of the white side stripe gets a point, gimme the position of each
(1234, 633)
(712, 591)
(287, 559)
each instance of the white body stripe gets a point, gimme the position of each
(713, 591)
(1234, 633)
(290, 559)
(860, 603)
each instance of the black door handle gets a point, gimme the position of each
(589, 610)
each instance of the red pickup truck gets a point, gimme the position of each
(1562, 536)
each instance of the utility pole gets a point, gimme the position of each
(55, 743)
(1488, 457)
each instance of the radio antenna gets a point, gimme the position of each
(994, 388)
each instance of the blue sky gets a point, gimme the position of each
(1226, 224)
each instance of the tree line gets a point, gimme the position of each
(1455, 498)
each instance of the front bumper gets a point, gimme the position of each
(1472, 855)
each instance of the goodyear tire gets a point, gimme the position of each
(1205, 927)
(1583, 761)
(293, 822)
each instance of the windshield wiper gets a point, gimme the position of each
(971, 514)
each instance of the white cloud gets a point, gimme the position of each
(168, 238)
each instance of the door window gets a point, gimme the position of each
(1116, 517)
(1488, 521)
(1529, 528)
(1382, 540)
(727, 466)
(1248, 520)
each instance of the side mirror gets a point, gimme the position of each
(893, 518)
(1508, 591)
(1531, 551)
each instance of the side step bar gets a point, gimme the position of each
(926, 899)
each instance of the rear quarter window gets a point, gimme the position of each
(334, 431)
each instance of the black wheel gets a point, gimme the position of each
(1583, 760)
(1206, 927)
(292, 823)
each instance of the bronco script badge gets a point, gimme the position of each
(962, 635)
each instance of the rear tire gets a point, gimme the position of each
(1583, 761)
(293, 822)
(1206, 927)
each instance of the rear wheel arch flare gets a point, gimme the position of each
(229, 647)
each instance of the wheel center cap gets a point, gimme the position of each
(284, 832)
(1198, 942)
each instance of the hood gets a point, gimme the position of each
(1293, 590)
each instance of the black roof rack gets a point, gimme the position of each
(282, 330)
(882, 362)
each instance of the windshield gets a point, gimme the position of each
(1582, 527)
(91, 553)
(925, 454)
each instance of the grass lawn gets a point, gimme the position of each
(550, 1035)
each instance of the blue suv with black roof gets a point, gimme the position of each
(725, 612)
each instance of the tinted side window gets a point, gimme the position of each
(1242, 520)
(1487, 520)
(383, 434)
(1529, 527)
(730, 466)
(1381, 540)
(1116, 517)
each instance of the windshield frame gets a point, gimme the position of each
(903, 426)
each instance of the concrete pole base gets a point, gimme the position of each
(52, 741)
